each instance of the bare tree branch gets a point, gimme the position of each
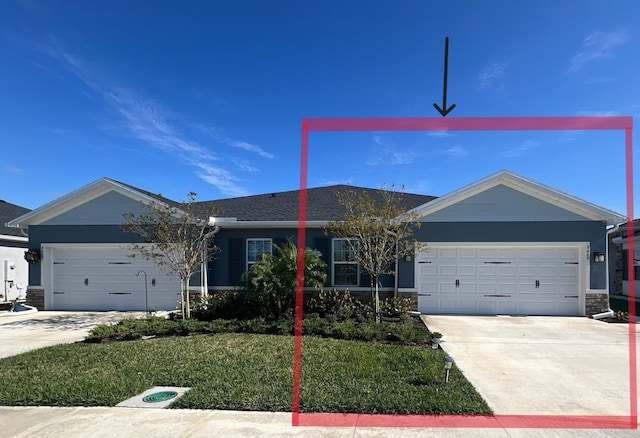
(377, 231)
(177, 238)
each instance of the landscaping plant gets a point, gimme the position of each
(271, 282)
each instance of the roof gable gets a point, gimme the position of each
(81, 196)
(505, 196)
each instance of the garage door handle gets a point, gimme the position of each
(498, 296)
(119, 293)
(457, 283)
(86, 282)
(571, 296)
(424, 295)
(58, 293)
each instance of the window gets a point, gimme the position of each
(345, 266)
(636, 264)
(255, 249)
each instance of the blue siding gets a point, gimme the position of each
(582, 231)
(103, 210)
(502, 204)
(314, 238)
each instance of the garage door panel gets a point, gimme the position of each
(467, 270)
(511, 280)
(487, 270)
(447, 270)
(428, 270)
(111, 279)
(487, 288)
(507, 270)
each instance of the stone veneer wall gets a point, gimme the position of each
(596, 303)
(35, 297)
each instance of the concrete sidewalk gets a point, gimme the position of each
(130, 422)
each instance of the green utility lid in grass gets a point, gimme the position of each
(161, 396)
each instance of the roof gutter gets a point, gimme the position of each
(236, 224)
(609, 312)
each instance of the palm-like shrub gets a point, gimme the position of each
(272, 281)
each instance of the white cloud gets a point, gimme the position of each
(249, 147)
(244, 166)
(454, 152)
(440, 134)
(402, 158)
(218, 135)
(13, 169)
(598, 46)
(147, 120)
(519, 150)
(596, 113)
(492, 74)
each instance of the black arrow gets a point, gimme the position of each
(444, 110)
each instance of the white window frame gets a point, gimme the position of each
(256, 239)
(341, 262)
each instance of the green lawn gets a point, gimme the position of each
(242, 372)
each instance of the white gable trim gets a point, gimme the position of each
(528, 187)
(76, 198)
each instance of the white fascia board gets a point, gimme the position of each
(76, 198)
(524, 185)
(266, 224)
(10, 238)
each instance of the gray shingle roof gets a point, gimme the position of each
(9, 212)
(322, 204)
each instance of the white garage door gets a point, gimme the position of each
(499, 280)
(105, 279)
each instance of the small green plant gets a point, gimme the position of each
(224, 304)
(396, 307)
(271, 282)
(339, 305)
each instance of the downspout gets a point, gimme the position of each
(204, 276)
(609, 313)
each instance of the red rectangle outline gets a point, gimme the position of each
(463, 124)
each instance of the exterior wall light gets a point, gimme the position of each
(598, 257)
(448, 363)
(407, 258)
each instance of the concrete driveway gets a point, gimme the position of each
(541, 365)
(29, 332)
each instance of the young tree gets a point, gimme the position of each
(272, 281)
(180, 236)
(377, 230)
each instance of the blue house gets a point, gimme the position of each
(502, 245)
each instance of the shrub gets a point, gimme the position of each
(396, 307)
(224, 304)
(271, 282)
(408, 332)
(339, 305)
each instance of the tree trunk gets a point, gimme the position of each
(377, 300)
(187, 303)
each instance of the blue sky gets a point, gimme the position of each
(208, 96)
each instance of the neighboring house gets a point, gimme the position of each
(14, 270)
(502, 245)
(620, 256)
